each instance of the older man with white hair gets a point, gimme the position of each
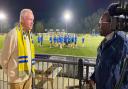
(17, 56)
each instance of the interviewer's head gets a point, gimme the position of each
(105, 24)
(26, 19)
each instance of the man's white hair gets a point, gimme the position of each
(23, 12)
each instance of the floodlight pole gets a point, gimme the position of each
(67, 17)
(0, 26)
(66, 27)
(2, 18)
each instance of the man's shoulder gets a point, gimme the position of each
(121, 35)
(12, 33)
(13, 30)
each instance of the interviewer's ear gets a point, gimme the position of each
(113, 24)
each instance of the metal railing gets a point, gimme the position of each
(57, 72)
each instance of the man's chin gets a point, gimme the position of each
(30, 28)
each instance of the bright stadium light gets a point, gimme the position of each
(67, 17)
(2, 16)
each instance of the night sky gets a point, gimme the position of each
(46, 9)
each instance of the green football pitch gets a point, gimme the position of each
(90, 49)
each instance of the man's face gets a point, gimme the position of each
(104, 26)
(27, 22)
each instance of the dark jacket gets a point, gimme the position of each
(109, 62)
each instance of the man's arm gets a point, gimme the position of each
(8, 48)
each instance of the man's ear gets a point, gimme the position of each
(113, 24)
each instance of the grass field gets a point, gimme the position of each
(90, 49)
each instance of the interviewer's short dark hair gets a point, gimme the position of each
(106, 13)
